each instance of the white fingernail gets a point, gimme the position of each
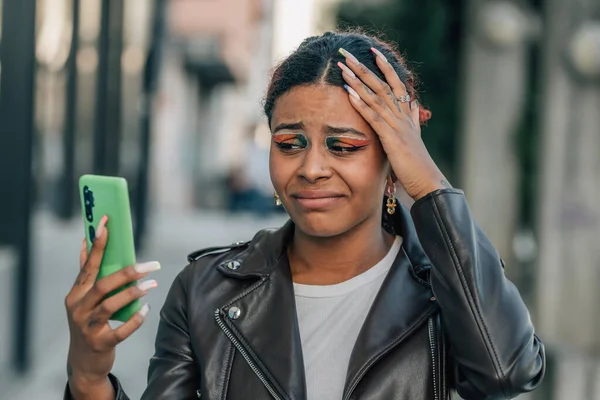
(348, 56)
(144, 310)
(100, 227)
(352, 92)
(147, 285)
(378, 53)
(347, 70)
(147, 267)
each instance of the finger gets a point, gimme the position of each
(90, 268)
(124, 331)
(379, 124)
(391, 76)
(83, 253)
(112, 282)
(73, 295)
(111, 305)
(370, 98)
(414, 114)
(372, 90)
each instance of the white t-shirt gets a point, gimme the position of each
(330, 318)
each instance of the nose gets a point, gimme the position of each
(315, 165)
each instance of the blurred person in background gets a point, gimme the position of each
(355, 297)
(250, 188)
(237, 190)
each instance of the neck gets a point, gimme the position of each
(331, 260)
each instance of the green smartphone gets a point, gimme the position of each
(108, 195)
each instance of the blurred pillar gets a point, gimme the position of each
(107, 132)
(67, 183)
(17, 55)
(568, 291)
(494, 74)
(212, 71)
(151, 75)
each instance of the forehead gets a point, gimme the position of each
(317, 106)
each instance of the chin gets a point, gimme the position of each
(323, 224)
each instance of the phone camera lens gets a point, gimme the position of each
(92, 232)
(88, 200)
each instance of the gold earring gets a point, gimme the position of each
(276, 199)
(391, 200)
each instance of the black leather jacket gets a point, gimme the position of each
(446, 319)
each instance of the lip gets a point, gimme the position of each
(317, 199)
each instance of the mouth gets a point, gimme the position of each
(318, 200)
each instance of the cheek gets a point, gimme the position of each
(278, 169)
(367, 179)
(371, 169)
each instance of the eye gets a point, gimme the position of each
(290, 142)
(344, 145)
(343, 149)
(288, 146)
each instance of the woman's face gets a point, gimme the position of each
(327, 164)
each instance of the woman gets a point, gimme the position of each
(335, 304)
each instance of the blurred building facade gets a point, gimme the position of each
(568, 279)
(210, 122)
(208, 114)
(209, 95)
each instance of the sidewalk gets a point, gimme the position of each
(56, 248)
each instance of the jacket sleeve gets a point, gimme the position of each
(492, 342)
(172, 373)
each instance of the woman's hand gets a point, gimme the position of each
(396, 123)
(93, 341)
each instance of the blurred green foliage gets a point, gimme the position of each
(429, 34)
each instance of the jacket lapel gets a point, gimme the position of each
(403, 304)
(267, 325)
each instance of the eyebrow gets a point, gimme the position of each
(291, 126)
(328, 129)
(341, 129)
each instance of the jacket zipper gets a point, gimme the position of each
(378, 357)
(433, 351)
(245, 354)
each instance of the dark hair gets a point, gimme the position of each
(315, 61)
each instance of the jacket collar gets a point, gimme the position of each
(269, 326)
(268, 248)
(264, 253)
